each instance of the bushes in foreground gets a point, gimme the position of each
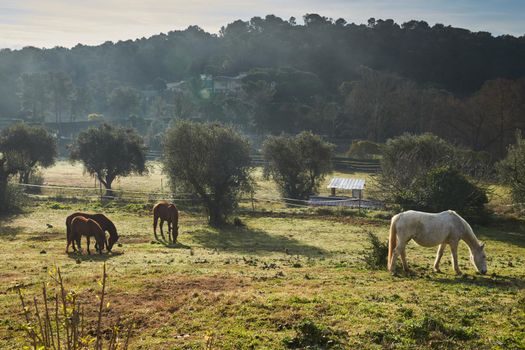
(58, 321)
(376, 254)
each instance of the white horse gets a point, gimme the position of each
(429, 230)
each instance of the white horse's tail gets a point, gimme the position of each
(392, 240)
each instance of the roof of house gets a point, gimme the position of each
(346, 183)
(223, 77)
(175, 84)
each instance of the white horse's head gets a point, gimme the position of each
(479, 259)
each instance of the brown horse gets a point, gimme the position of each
(81, 226)
(101, 219)
(166, 212)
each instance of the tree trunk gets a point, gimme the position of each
(215, 216)
(24, 176)
(107, 186)
(109, 192)
(4, 177)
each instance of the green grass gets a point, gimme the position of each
(256, 286)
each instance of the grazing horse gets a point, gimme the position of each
(166, 212)
(102, 220)
(429, 230)
(81, 226)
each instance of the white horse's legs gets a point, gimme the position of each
(398, 250)
(454, 250)
(402, 252)
(440, 251)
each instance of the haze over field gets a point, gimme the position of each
(66, 23)
(259, 167)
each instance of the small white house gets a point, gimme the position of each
(357, 186)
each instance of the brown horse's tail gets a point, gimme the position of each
(155, 219)
(175, 218)
(68, 227)
(392, 241)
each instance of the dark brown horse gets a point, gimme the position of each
(166, 211)
(81, 226)
(102, 220)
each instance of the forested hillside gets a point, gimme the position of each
(370, 81)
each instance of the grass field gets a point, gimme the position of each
(251, 287)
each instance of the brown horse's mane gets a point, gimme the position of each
(104, 222)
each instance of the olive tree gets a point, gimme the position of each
(8, 193)
(298, 164)
(108, 152)
(211, 160)
(29, 147)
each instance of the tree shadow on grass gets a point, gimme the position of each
(247, 240)
(510, 231)
(85, 257)
(500, 282)
(171, 245)
(9, 233)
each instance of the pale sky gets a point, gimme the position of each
(49, 23)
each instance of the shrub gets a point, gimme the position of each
(59, 320)
(211, 160)
(57, 206)
(512, 169)
(444, 188)
(406, 157)
(297, 164)
(479, 165)
(375, 255)
(424, 172)
(12, 198)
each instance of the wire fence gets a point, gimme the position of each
(96, 193)
(339, 163)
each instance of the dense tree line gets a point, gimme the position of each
(369, 81)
